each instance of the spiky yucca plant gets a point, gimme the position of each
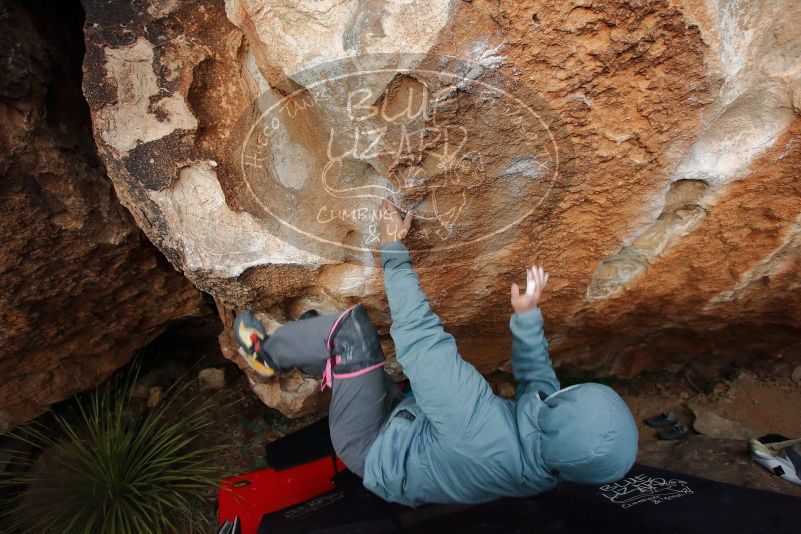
(112, 468)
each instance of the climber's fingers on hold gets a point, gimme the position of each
(515, 290)
(407, 221)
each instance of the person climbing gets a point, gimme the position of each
(454, 440)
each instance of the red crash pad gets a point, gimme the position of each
(252, 495)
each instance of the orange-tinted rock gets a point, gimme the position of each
(645, 153)
(81, 289)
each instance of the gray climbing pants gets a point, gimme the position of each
(359, 407)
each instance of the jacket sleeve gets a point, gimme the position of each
(531, 364)
(451, 393)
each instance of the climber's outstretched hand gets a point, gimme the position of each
(536, 278)
(391, 225)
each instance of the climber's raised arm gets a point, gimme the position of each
(450, 391)
(531, 364)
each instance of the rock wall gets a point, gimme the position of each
(646, 152)
(81, 288)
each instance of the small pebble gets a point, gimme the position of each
(212, 378)
(154, 396)
(797, 374)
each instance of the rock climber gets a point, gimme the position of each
(453, 441)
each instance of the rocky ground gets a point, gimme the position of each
(749, 404)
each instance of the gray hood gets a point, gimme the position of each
(584, 433)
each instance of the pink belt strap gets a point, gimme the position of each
(360, 372)
(328, 380)
(328, 374)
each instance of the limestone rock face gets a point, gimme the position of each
(81, 289)
(646, 153)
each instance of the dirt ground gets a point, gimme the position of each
(760, 405)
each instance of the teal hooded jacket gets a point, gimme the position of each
(464, 444)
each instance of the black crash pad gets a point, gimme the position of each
(648, 500)
(302, 447)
